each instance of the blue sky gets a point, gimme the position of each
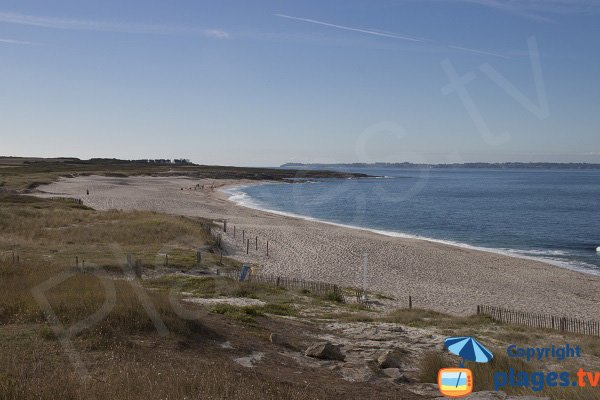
(268, 82)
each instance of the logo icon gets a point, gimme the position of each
(455, 382)
(458, 382)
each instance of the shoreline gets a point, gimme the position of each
(400, 235)
(440, 277)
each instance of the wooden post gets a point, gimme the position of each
(166, 260)
(138, 269)
(198, 258)
(14, 258)
(365, 275)
(247, 246)
(256, 243)
(243, 235)
(225, 225)
(234, 231)
(410, 302)
(267, 248)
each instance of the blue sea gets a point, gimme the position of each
(551, 215)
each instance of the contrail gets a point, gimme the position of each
(487, 53)
(387, 34)
(349, 28)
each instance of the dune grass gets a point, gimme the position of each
(125, 354)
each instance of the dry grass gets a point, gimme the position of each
(124, 353)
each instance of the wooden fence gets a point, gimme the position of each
(546, 321)
(288, 283)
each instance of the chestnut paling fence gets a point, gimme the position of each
(544, 321)
(288, 283)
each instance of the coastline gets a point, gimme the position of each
(229, 189)
(439, 276)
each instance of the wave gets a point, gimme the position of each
(240, 198)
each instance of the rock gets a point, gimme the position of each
(396, 375)
(389, 359)
(392, 372)
(325, 351)
(251, 360)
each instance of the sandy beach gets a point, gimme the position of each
(441, 277)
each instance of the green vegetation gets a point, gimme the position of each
(27, 174)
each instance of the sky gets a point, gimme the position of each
(261, 83)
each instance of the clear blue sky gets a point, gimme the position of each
(268, 82)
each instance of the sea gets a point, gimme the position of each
(549, 215)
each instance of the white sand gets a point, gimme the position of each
(442, 277)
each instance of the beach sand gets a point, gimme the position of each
(442, 277)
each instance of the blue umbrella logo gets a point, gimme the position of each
(468, 348)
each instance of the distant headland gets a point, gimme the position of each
(479, 165)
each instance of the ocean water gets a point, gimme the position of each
(552, 215)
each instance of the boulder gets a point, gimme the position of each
(392, 372)
(325, 351)
(389, 359)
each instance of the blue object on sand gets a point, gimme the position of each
(245, 272)
(468, 348)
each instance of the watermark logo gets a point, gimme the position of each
(458, 382)
(455, 382)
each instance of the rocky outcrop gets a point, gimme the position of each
(325, 351)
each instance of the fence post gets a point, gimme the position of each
(256, 243)
(234, 231)
(225, 225)
(138, 268)
(267, 248)
(410, 302)
(166, 260)
(243, 235)
(247, 246)
(198, 258)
